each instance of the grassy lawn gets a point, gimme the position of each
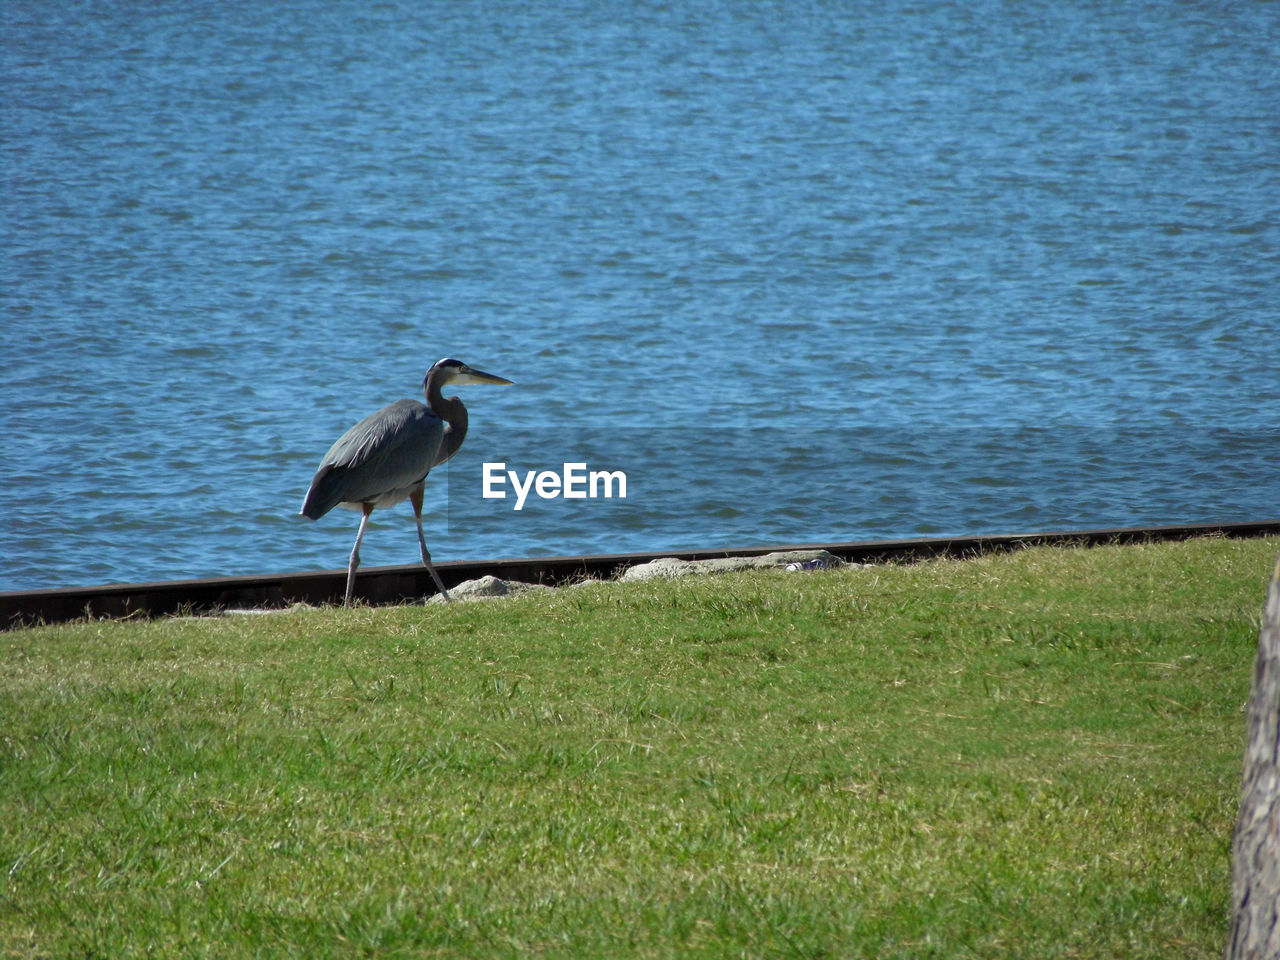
(1033, 754)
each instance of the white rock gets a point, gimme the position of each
(671, 567)
(486, 588)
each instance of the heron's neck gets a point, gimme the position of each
(452, 412)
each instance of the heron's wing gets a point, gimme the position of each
(390, 450)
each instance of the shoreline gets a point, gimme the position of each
(411, 583)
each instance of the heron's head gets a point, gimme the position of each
(449, 370)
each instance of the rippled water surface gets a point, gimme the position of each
(802, 271)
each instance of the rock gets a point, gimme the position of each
(658, 569)
(486, 588)
(670, 567)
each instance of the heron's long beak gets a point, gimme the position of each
(470, 375)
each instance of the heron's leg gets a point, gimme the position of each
(416, 499)
(354, 562)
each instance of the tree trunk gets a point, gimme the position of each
(1255, 850)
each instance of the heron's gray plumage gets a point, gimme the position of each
(385, 458)
(380, 460)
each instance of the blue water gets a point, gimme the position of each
(803, 271)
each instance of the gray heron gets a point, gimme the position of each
(385, 458)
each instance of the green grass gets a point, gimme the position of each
(1025, 755)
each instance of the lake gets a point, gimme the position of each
(802, 271)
